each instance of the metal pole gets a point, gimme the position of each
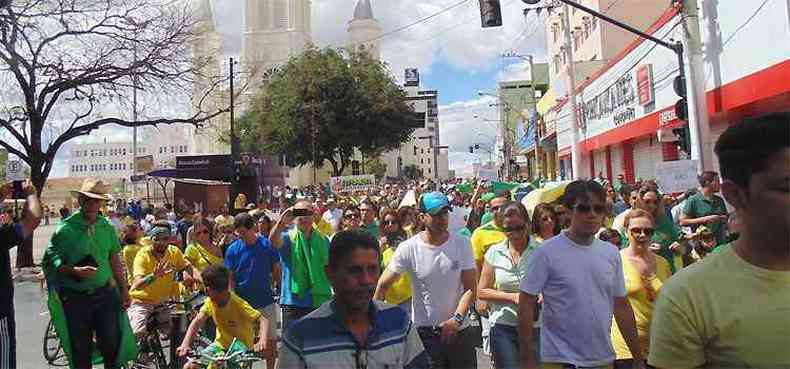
(233, 144)
(532, 119)
(576, 152)
(134, 128)
(697, 108)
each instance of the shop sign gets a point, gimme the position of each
(644, 84)
(667, 117)
(616, 101)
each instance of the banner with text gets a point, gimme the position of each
(677, 176)
(353, 183)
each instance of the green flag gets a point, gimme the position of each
(498, 187)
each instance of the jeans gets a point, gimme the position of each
(89, 313)
(293, 313)
(8, 342)
(505, 345)
(460, 354)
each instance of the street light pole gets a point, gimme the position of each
(234, 149)
(576, 152)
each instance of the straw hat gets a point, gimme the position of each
(94, 189)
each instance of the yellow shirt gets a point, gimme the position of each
(234, 320)
(129, 253)
(484, 237)
(201, 258)
(639, 297)
(722, 313)
(400, 291)
(161, 288)
(324, 227)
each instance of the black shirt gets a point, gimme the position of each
(10, 236)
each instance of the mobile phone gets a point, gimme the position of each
(18, 191)
(302, 212)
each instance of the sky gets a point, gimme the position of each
(454, 54)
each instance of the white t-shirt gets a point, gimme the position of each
(456, 222)
(435, 273)
(579, 284)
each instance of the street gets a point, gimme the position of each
(32, 316)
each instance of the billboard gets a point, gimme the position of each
(411, 77)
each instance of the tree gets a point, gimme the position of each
(411, 171)
(69, 67)
(374, 165)
(323, 105)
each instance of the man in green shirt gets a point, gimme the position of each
(369, 223)
(83, 264)
(731, 310)
(706, 208)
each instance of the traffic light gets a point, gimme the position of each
(684, 139)
(681, 106)
(477, 146)
(471, 149)
(490, 13)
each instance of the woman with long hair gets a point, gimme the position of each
(132, 233)
(544, 223)
(391, 236)
(644, 274)
(203, 252)
(504, 266)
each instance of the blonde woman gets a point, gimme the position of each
(645, 273)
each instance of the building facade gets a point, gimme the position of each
(626, 109)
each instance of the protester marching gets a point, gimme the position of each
(576, 274)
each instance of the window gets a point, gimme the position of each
(160, 149)
(421, 162)
(123, 166)
(123, 151)
(556, 63)
(422, 151)
(172, 149)
(104, 152)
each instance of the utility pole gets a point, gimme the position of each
(234, 149)
(134, 128)
(533, 114)
(576, 152)
(698, 121)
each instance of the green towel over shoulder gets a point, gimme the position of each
(308, 259)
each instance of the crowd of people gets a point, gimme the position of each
(418, 275)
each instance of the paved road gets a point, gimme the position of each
(31, 315)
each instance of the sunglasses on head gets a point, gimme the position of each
(515, 228)
(644, 231)
(586, 209)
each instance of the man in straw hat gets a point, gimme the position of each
(87, 285)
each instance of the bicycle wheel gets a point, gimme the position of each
(51, 345)
(159, 358)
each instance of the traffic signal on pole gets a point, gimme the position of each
(471, 149)
(684, 139)
(490, 13)
(681, 106)
(477, 146)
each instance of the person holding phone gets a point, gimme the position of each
(13, 234)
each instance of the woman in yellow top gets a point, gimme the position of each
(391, 236)
(132, 234)
(645, 273)
(202, 252)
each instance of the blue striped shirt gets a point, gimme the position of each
(321, 340)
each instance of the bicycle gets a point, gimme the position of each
(226, 360)
(53, 350)
(153, 346)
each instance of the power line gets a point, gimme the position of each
(421, 20)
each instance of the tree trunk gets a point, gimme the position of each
(24, 253)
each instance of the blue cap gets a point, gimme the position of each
(433, 202)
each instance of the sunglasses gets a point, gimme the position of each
(160, 239)
(351, 216)
(586, 209)
(547, 219)
(495, 209)
(644, 231)
(390, 222)
(515, 228)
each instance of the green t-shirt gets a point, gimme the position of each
(373, 229)
(698, 206)
(74, 240)
(722, 313)
(507, 278)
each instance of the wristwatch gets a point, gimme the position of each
(459, 318)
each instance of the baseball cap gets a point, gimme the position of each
(433, 202)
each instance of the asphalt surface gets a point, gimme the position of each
(32, 316)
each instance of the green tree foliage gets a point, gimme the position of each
(374, 165)
(345, 100)
(411, 172)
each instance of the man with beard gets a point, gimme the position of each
(351, 330)
(442, 271)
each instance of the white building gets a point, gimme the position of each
(364, 30)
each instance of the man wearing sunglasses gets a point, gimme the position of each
(732, 310)
(442, 271)
(581, 279)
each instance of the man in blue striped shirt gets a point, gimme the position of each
(351, 330)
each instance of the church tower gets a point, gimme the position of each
(274, 30)
(206, 51)
(364, 30)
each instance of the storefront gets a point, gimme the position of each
(626, 109)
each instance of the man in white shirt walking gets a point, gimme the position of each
(443, 275)
(581, 280)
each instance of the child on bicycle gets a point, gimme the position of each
(234, 318)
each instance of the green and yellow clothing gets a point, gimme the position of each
(200, 257)
(484, 237)
(129, 253)
(641, 292)
(722, 313)
(75, 242)
(698, 206)
(400, 291)
(234, 320)
(163, 287)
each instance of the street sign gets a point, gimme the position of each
(15, 171)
